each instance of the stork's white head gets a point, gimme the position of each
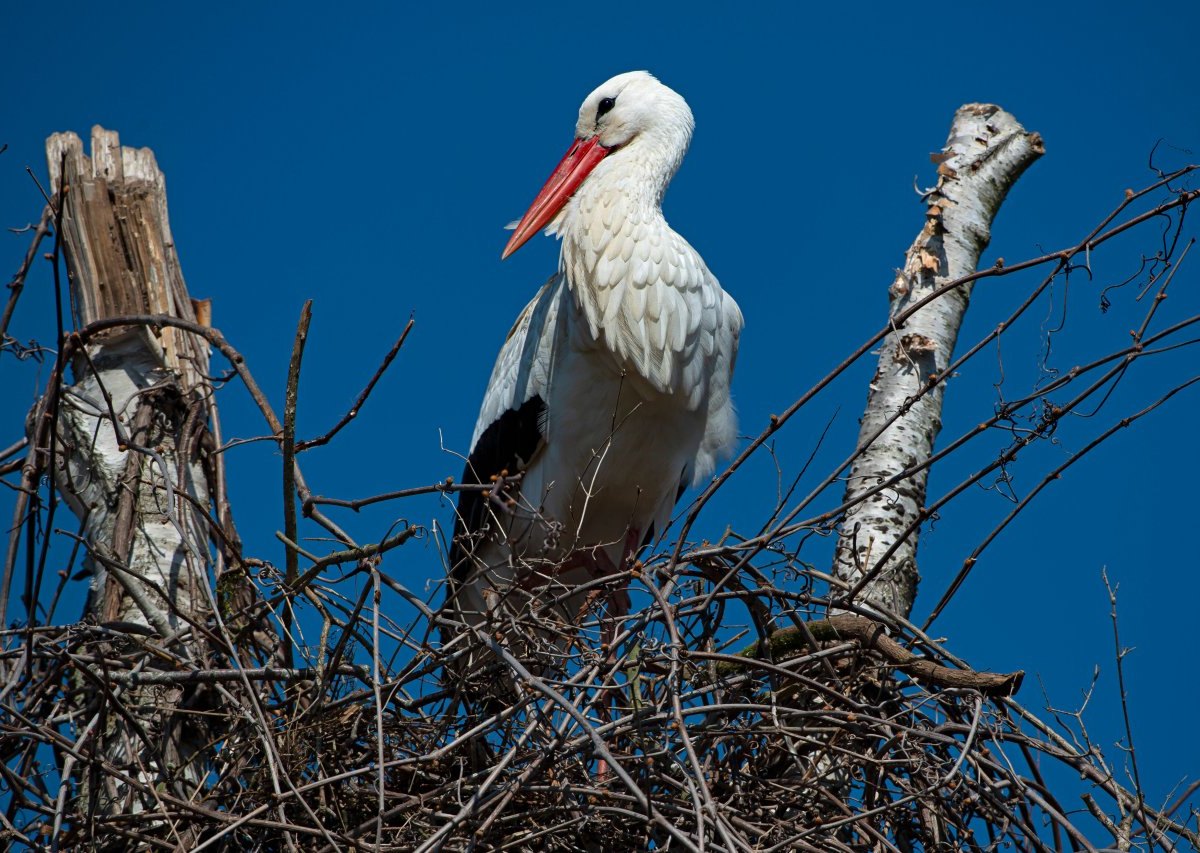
(632, 105)
(630, 116)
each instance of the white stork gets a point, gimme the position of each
(611, 393)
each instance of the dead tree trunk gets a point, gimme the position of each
(130, 442)
(986, 153)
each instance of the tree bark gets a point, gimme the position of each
(129, 453)
(987, 151)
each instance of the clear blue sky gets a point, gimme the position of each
(369, 158)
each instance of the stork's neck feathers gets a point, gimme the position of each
(640, 286)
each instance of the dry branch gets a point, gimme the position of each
(873, 635)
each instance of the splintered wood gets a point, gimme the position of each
(115, 229)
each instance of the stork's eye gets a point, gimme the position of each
(605, 105)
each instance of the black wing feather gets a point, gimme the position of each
(507, 444)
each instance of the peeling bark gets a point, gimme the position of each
(128, 450)
(987, 151)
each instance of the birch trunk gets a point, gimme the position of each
(129, 450)
(987, 151)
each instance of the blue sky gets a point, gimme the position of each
(368, 159)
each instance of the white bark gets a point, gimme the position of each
(160, 538)
(128, 452)
(132, 479)
(986, 152)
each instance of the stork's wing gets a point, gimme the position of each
(511, 425)
(712, 366)
(522, 370)
(720, 429)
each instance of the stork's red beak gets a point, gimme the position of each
(578, 163)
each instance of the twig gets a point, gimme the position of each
(17, 283)
(362, 397)
(289, 471)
